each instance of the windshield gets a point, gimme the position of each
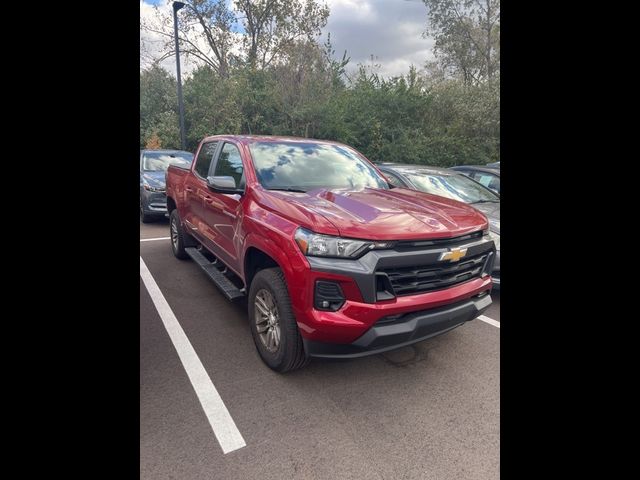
(456, 187)
(308, 165)
(160, 161)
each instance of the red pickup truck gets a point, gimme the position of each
(333, 260)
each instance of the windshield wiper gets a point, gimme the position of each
(485, 201)
(288, 189)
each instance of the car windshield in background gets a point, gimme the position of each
(456, 187)
(306, 166)
(159, 162)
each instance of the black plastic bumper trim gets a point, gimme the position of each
(414, 328)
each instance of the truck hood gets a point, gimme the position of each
(155, 178)
(377, 214)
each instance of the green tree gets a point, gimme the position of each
(205, 33)
(272, 26)
(467, 38)
(210, 106)
(158, 107)
(302, 85)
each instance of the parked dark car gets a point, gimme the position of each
(450, 184)
(153, 166)
(486, 175)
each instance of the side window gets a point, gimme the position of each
(230, 164)
(488, 180)
(393, 180)
(495, 184)
(203, 162)
(484, 178)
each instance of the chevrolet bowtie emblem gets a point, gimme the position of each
(453, 255)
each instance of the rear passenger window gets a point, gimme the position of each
(230, 164)
(203, 162)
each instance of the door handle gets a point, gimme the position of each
(188, 189)
(208, 199)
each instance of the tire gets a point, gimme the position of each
(179, 239)
(289, 354)
(145, 217)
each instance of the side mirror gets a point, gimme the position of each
(223, 184)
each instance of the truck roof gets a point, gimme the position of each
(246, 139)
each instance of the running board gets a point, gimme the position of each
(225, 285)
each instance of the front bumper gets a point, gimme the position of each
(367, 306)
(405, 330)
(154, 203)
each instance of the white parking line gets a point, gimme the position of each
(154, 239)
(490, 321)
(224, 428)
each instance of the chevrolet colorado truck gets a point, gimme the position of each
(333, 261)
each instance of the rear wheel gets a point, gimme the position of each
(273, 325)
(179, 238)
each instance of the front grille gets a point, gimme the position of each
(426, 278)
(438, 242)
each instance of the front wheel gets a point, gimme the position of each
(145, 217)
(273, 325)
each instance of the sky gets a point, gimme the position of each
(390, 30)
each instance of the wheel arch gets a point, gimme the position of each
(171, 205)
(260, 253)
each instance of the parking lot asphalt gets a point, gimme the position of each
(429, 411)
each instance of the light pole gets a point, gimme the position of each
(177, 6)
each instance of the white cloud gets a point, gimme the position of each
(390, 30)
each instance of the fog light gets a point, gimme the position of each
(328, 296)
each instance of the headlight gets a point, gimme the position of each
(316, 245)
(149, 188)
(496, 239)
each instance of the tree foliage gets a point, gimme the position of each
(273, 26)
(467, 38)
(154, 142)
(204, 32)
(301, 88)
(158, 107)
